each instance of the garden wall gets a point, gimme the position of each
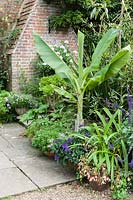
(23, 54)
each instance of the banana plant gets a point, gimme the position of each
(80, 77)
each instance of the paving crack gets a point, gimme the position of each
(11, 145)
(21, 170)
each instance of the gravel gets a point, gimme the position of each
(70, 191)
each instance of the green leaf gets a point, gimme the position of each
(50, 57)
(118, 61)
(108, 162)
(112, 168)
(102, 46)
(64, 93)
(80, 53)
(102, 118)
(125, 155)
(97, 79)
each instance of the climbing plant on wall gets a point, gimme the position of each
(7, 17)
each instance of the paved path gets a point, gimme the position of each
(23, 168)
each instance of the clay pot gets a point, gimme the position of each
(49, 154)
(97, 186)
(21, 111)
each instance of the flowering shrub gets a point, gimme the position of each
(92, 174)
(67, 149)
(20, 100)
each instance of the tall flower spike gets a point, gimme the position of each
(130, 106)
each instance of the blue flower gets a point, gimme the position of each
(108, 104)
(111, 147)
(65, 147)
(130, 106)
(56, 157)
(116, 106)
(70, 140)
(87, 134)
(131, 163)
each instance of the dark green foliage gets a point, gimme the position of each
(93, 18)
(7, 113)
(41, 69)
(51, 126)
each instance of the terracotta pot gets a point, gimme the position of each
(97, 186)
(49, 154)
(21, 111)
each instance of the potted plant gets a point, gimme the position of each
(20, 102)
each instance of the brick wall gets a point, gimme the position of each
(24, 52)
(10, 7)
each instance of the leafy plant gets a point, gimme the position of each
(63, 151)
(49, 94)
(107, 150)
(21, 100)
(43, 138)
(34, 113)
(44, 130)
(120, 187)
(6, 112)
(80, 78)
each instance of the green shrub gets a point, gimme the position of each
(21, 100)
(44, 131)
(6, 112)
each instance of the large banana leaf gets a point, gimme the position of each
(64, 93)
(118, 61)
(80, 54)
(102, 46)
(100, 49)
(51, 58)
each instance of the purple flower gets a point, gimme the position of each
(65, 147)
(108, 104)
(70, 140)
(115, 105)
(131, 163)
(119, 159)
(56, 157)
(87, 134)
(130, 105)
(81, 125)
(111, 147)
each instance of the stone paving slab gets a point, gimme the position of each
(23, 168)
(4, 144)
(13, 181)
(5, 162)
(45, 172)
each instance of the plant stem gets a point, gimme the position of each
(79, 112)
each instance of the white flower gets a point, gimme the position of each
(6, 99)
(58, 53)
(61, 57)
(75, 52)
(65, 51)
(62, 47)
(66, 42)
(44, 64)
